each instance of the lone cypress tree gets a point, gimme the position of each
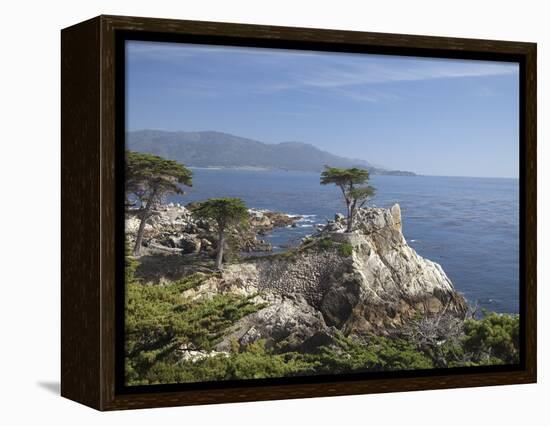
(225, 212)
(149, 179)
(352, 182)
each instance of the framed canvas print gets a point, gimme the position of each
(254, 212)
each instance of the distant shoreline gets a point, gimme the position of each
(251, 168)
(270, 169)
(390, 173)
(212, 150)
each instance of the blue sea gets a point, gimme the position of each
(468, 225)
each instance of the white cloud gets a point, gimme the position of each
(379, 72)
(362, 78)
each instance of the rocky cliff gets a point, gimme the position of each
(366, 281)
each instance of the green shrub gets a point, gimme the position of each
(346, 249)
(493, 339)
(159, 320)
(130, 263)
(253, 363)
(325, 243)
(256, 362)
(377, 354)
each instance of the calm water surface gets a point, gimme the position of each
(468, 225)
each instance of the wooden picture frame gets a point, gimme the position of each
(91, 132)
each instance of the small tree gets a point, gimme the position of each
(349, 181)
(149, 179)
(225, 212)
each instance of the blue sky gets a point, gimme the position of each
(431, 116)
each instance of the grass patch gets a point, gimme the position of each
(345, 249)
(326, 243)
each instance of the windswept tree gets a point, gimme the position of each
(149, 179)
(353, 184)
(225, 212)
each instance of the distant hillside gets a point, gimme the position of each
(216, 149)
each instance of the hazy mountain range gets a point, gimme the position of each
(216, 149)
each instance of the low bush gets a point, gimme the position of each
(325, 243)
(494, 339)
(345, 249)
(159, 320)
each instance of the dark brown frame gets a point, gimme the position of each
(88, 129)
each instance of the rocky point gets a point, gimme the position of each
(366, 281)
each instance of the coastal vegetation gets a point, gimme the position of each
(353, 185)
(335, 303)
(163, 325)
(225, 212)
(148, 180)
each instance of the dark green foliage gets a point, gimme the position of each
(148, 180)
(349, 181)
(451, 342)
(346, 249)
(325, 243)
(163, 372)
(254, 363)
(258, 363)
(159, 320)
(493, 339)
(362, 193)
(376, 354)
(130, 263)
(147, 175)
(225, 212)
(344, 177)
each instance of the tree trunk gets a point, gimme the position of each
(141, 229)
(350, 222)
(144, 217)
(221, 243)
(350, 218)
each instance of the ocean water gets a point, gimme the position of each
(470, 226)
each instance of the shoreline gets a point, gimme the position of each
(273, 169)
(397, 174)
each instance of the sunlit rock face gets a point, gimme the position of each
(368, 280)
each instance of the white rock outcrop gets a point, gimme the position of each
(366, 280)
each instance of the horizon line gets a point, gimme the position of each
(267, 169)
